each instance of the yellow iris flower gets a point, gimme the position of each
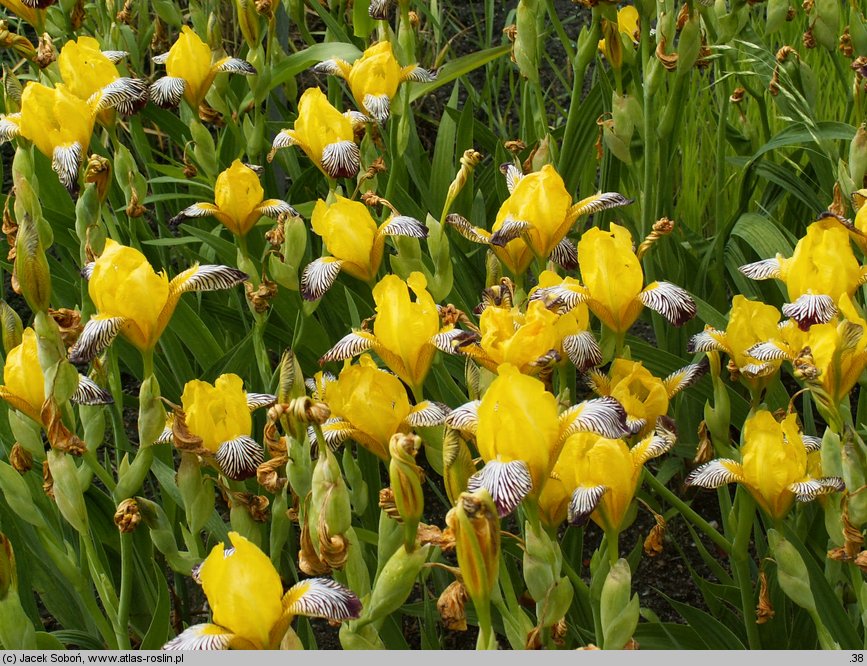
(355, 241)
(325, 135)
(627, 24)
(219, 415)
(644, 396)
(773, 466)
(836, 352)
(403, 331)
(519, 434)
(135, 301)
(248, 607)
(239, 201)
(529, 339)
(369, 405)
(191, 70)
(750, 322)
(534, 220)
(597, 478)
(821, 270)
(23, 385)
(374, 78)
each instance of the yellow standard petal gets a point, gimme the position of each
(823, 263)
(190, 59)
(750, 322)
(237, 194)
(349, 233)
(123, 284)
(510, 336)
(404, 327)
(23, 378)
(54, 117)
(774, 457)
(517, 420)
(612, 273)
(373, 401)
(541, 200)
(84, 68)
(376, 72)
(319, 124)
(217, 413)
(641, 393)
(243, 589)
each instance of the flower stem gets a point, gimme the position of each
(126, 574)
(740, 565)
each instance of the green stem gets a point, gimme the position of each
(740, 565)
(101, 473)
(126, 574)
(612, 544)
(687, 512)
(648, 213)
(106, 593)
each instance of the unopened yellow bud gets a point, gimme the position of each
(476, 527)
(406, 479)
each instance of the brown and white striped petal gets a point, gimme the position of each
(348, 346)
(510, 230)
(565, 255)
(274, 208)
(65, 161)
(207, 277)
(583, 502)
(284, 139)
(378, 106)
(812, 443)
(716, 473)
(378, 9)
(706, 341)
(335, 431)
(453, 340)
(201, 637)
(124, 94)
(583, 350)
(202, 209)
(403, 225)
(160, 59)
(464, 228)
(333, 66)
(662, 440)
(604, 416)
(341, 159)
(90, 393)
(769, 351)
(598, 202)
(168, 91)
(465, 418)
(115, 56)
(513, 175)
(560, 299)
(236, 66)
(766, 269)
(9, 126)
(98, 333)
(259, 400)
(807, 491)
(322, 597)
(809, 309)
(427, 413)
(318, 277)
(685, 377)
(416, 74)
(669, 300)
(507, 482)
(238, 458)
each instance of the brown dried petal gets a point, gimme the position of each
(451, 606)
(127, 517)
(20, 459)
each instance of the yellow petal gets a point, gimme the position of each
(373, 401)
(642, 395)
(770, 462)
(22, 374)
(823, 263)
(54, 117)
(190, 59)
(85, 70)
(217, 413)
(243, 590)
(509, 336)
(237, 194)
(377, 72)
(750, 322)
(517, 420)
(404, 326)
(612, 273)
(319, 124)
(349, 233)
(123, 284)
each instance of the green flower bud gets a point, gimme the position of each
(776, 17)
(298, 469)
(197, 492)
(31, 266)
(16, 630)
(17, 494)
(540, 561)
(689, 44)
(248, 21)
(389, 539)
(792, 574)
(359, 638)
(858, 156)
(27, 433)
(10, 327)
(476, 526)
(854, 460)
(826, 27)
(394, 584)
(163, 536)
(151, 413)
(93, 423)
(130, 476)
(405, 477)
(618, 612)
(526, 47)
(553, 607)
(330, 494)
(67, 490)
(358, 495)
(458, 464)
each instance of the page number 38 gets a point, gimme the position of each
(857, 658)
